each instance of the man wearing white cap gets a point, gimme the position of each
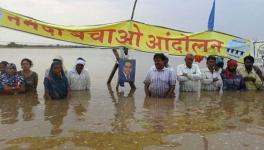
(78, 77)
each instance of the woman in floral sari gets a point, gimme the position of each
(12, 82)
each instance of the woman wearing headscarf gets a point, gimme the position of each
(232, 80)
(56, 84)
(11, 81)
(60, 59)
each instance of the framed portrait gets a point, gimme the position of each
(127, 70)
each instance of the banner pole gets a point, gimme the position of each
(254, 49)
(115, 66)
(133, 11)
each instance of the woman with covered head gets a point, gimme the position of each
(232, 80)
(60, 59)
(56, 84)
(12, 82)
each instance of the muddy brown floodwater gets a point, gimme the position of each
(103, 119)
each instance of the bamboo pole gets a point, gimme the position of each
(133, 11)
(112, 73)
(132, 84)
(114, 68)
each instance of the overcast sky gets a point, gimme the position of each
(242, 18)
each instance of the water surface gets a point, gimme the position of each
(103, 119)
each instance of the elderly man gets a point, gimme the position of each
(188, 75)
(251, 78)
(160, 81)
(78, 77)
(211, 79)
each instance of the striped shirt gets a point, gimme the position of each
(160, 81)
(191, 82)
(207, 83)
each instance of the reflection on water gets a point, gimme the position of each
(27, 102)
(192, 121)
(105, 119)
(124, 109)
(10, 106)
(158, 113)
(80, 102)
(9, 110)
(55, 111)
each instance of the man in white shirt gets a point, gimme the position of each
(78, 77)
(160, 81)
(188, 75)
(212, 80)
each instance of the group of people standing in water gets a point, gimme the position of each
(13, 81)
(160, 80)
(58, 82)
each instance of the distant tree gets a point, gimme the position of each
(13, 44)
